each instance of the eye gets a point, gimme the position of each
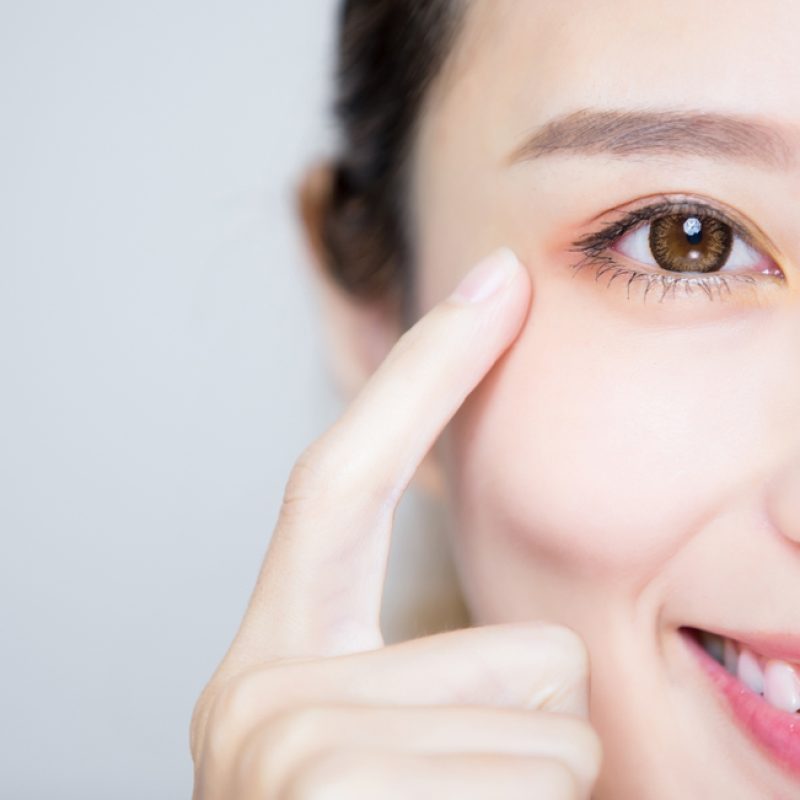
(679, 244)
(690, 243)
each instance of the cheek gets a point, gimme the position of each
(597, 445)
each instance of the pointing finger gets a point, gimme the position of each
(321, 584)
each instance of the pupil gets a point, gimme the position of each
(693, 229)
(690, 243)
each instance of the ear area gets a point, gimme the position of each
(359, 332)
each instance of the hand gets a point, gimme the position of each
(309, 702)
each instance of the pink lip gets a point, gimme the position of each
(776, 732)
(769, 645)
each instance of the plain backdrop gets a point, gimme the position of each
(162, 364)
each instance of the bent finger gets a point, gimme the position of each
(533, 666)
(277, 746)
(361, 774)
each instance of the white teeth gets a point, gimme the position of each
(778, 681)
(781, 686)
(730, 657)
(749, 671)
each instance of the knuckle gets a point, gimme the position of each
(330, 470)
(321, 475)
(230, 702)
(282, 738)
(229, 710)
(305, 478)
(199, 722)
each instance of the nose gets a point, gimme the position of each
(784, 500)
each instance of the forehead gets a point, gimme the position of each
(520, 62)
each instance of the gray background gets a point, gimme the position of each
(160, 359)
(162, 364)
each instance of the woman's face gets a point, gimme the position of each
(632, 464)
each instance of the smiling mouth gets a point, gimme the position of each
(761, 692)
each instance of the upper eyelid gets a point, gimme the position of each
(662, 204)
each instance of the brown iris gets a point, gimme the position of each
(690, 243)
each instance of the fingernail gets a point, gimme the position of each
(487, 278)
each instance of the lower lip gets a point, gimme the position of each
(776, 731)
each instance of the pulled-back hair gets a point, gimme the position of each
(388, 54)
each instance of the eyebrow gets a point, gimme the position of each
(674, 133)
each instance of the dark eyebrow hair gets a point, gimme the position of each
(655, 132)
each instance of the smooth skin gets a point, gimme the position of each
(308, 702)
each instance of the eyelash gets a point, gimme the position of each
(595, 247)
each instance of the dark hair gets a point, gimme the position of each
(389, 52)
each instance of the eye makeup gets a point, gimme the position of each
(690, 225)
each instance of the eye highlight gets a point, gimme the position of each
(681, 244)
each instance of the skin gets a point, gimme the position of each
(628, 463)
(617, 472)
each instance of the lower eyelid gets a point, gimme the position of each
(661, 285)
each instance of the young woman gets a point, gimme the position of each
(614, 398)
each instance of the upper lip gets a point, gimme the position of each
(783, 646)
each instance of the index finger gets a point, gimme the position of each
(320, 587)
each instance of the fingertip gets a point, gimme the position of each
(488, 277)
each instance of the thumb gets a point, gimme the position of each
(529, 665)
(534, 665)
